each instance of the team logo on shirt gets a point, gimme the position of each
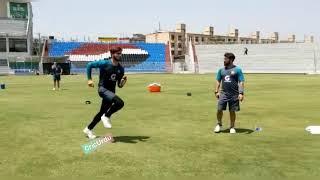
(113, 77)
(227, 78)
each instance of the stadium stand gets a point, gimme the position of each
(262, 58)
(16, 35)
(24, 67)
(139, 57)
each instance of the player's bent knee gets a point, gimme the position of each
(118, 102)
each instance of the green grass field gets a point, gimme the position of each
(164, 134)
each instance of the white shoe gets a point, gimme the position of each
(218, 128)
(89, 133)
(233, 131)
(106, 121)
(53, 89)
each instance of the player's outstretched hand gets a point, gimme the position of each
(123, 81)
(90, 83)
(241, 97)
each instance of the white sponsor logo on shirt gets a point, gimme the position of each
(113, 77)
(227, 78)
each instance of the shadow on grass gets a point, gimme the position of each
(130, 139)
(239, 130)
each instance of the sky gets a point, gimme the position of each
(115, 18)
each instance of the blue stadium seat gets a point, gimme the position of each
(156, 61)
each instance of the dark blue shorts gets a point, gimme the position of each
(232, 102)
(56, 77)
(106, 94)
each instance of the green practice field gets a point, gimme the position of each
(162, 134)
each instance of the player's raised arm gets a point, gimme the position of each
(122, 79)
(90, 66)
